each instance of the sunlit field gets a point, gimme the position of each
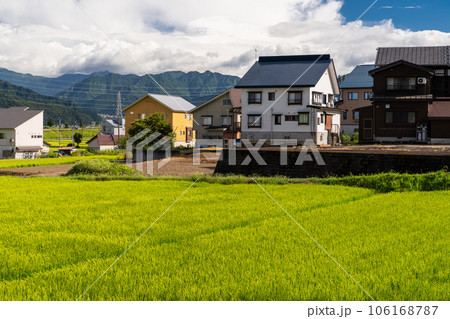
(219, 242)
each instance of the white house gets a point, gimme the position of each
(111, 126)
(291, 97)
(21, 133)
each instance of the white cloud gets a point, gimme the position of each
(50, 37)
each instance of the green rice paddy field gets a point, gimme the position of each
(219, 242)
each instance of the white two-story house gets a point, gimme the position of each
(291, 97)
(112, 127)
(21, 133)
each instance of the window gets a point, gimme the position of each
(344, 115)
(353, 95)
(254, 121)
(141, 116)
(295, 97)
(355, 115)
(189, 116)
(322, 118)
(2, 136)
(291, 118)
(324, 99)
(401, 83)
(254, 97)
(226, 102)
(303, 118)
(226, 120)
(271, 96)
(330, 99)
(440, 73)
(207, 120)
(181, 132)
(317, 98)
(277, 119)
(131, 113)
(165, 115)
(185, 116)
(401, 117)
(366, 95)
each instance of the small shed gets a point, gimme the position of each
(68, 150)
(103, 142)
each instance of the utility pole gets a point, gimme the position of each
(59, 126)
(119, 113)
(73, 139)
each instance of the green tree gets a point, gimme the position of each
(156, 123)
(77, 137)
(50, 122)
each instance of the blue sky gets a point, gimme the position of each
(415, 15)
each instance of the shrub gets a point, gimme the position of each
(346, 139)
(395, 182)
(100, 167)
(355, 138)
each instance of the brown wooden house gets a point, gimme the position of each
(411, 97)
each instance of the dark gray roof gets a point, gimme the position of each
(285, 71)
(426, 56)
(358, 78)
(13, 117)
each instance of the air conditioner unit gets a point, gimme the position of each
(421, 80)
(12, 140)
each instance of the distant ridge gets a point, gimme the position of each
(98, 91)
(55, 108)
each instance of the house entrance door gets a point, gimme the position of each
(189, 134)
(367, 129)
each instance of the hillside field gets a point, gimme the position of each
(66, 133)
(219, 242)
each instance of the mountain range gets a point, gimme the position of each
(54, 108)
(97, 92)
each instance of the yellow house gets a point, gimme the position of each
(175, 109)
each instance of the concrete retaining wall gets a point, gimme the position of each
(336, 164)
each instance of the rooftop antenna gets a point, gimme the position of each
(119, 113)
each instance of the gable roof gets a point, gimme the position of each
(105, 139)
(173, 103)
(286, 71)
(235, 97)
(358, 78)
(13, 117)
(113, 122)
(426, 56)
(401, 62)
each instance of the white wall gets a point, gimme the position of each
(32, 127)
(280, 106)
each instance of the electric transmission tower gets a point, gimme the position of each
(119, 113)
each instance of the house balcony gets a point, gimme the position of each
(235, 127)
(335, 129)
(392, 97)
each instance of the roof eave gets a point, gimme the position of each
(211, 100)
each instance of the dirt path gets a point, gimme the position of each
(177, 166)
(48, 171)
